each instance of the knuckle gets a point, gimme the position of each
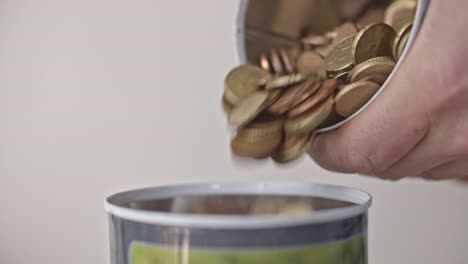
(363, 162)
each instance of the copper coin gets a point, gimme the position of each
(375, 40)
(276, 63)
(288, 64)
(310, 120)
(327, 88)
(316, 40)
(354, 96)
(309, 62)
(344, 31)
(294, 96)
(273, 96)
(265, 63)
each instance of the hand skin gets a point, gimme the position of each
(418, 126)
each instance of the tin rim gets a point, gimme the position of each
(361, 200)
(419, 18)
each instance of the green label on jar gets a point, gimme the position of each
(351, 251)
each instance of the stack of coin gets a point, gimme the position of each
(277, 105)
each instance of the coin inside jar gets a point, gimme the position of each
(353, 96)
(372, 41)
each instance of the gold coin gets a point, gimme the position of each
(376, 78)
(402, 45)
(227, 107)
(294, 96)
(292, 148)
(342, 76)
(402, 22)
(398, 11)
(273, 96)
(242, 81)
(354, 96)
(257, 150)
(311, 119)
(333, 119)
(400, 34)
(285, 81)
(309, 62)
(247, 109)
(374, 68)
(260, 130)
(299, 208)
(372, 41)
(341, 57)
(324, 51)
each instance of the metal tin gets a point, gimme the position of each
(268, 17)
(158, 225)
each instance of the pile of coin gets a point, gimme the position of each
(277, 104)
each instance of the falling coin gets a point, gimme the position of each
(247, 109)
(257, 150)
(242, 81)
(311, 119)
(261, 130)
(293, 147)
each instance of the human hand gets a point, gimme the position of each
(418, 126)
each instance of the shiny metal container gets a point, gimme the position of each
(215, 223)
(265, 24)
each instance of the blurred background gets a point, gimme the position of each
(99, 96)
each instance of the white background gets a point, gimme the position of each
(98, 96)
